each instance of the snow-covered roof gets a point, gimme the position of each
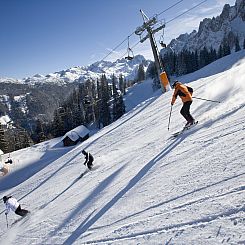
(4, 120)
(76, 133)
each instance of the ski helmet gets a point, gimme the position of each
(175, 83)
(83, 152)
(5, 198)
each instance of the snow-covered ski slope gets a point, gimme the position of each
(147, 188)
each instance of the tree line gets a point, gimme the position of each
(93, 103)
(189, 61)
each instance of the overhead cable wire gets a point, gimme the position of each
(133, 32)
(125, 53)
(177, 17)
(170, 7)
(186, 11)
(114, 48)
(159, 20)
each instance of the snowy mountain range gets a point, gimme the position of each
(39, 96)
(229, 25)
(127, 68)
(147, 187)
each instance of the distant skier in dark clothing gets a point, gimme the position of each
(185, 93)
(10, 161)
(12, 204)
(88, 159)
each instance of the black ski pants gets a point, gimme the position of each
(21, 212)
(185, 111)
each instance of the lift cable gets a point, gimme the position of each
(170, 7)
(188, 10)
(126, 39)
(133, 32)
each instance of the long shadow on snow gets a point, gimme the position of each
(194, 130)
(86, 203)
(20, 175)
(66, 189)
(179, 197)
(85, 226)
(49, 177)
(192, 223)
(52, 174)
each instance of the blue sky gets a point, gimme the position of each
(44, 36)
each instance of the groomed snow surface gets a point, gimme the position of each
(146, 188)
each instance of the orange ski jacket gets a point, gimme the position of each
(183, 92)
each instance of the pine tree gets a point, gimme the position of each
(226, 47)
(189, 59)
(195, 63)
(121, 84)
(39, 132)
(181, 64)
(213, 54)
(237, 45)
(125, 86)
(141, 73)
(25, 140)
(105, 97)
(58, 124)
(118, 108)
(89, 95)
(169, 63)
(76, 109)
(204, 57)
(151, 72)
(98, 104)
(3, 142)
(221, 51)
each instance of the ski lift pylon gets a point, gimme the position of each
(130, 52)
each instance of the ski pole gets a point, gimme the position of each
(7, 221)
(169, 116)
(206, 99)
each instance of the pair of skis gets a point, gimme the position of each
(184, 129)
(19, 219)
(87, 171)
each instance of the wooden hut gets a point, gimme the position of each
(78, 134)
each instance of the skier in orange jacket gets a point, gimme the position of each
(185, 93)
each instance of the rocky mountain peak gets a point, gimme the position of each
(212, 31)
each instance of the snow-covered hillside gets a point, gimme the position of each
(146, 188)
